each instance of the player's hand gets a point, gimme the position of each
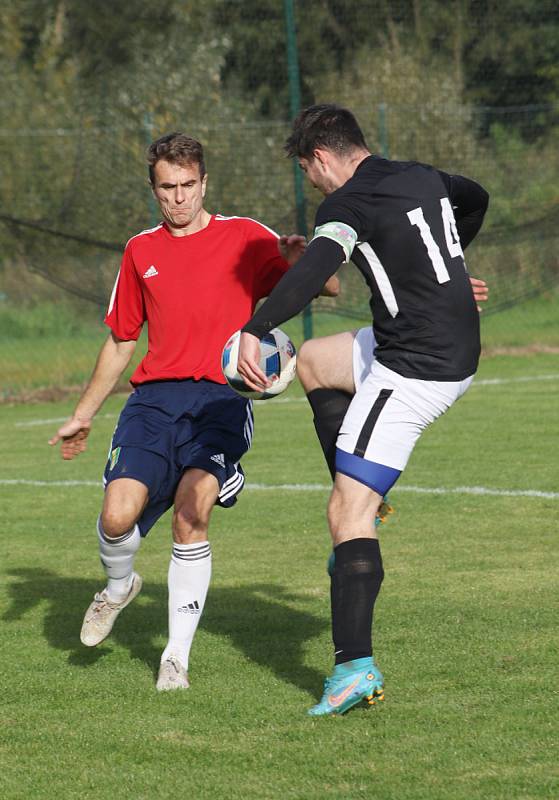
(480, 290)
(292, 247)
(331, 288)
(248, 362)
(73, 435)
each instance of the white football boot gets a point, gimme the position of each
(172, 675)
(102, 613)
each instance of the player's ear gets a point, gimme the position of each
(204, 184)
(319, 156)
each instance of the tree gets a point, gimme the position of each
(499, 54)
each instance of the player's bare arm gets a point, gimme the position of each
(331, 288)
(113, 359)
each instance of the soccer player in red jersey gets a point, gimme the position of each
(194, 279)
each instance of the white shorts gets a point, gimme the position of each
(386, 417)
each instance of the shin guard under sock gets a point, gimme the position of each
(355, 584)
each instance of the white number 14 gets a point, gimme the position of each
(451, 235)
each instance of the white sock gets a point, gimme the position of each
(189, 576)
(117, 558)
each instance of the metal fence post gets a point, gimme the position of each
(295, 107)
(148, 136)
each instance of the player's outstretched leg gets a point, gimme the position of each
(329, 408)
(190, 570)
(350, 683)
(330, 387)
(189, 577)
(123, 584)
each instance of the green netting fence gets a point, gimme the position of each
(74, 182)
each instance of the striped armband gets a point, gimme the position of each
(339, 232)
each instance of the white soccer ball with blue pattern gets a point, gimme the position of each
(277, 362)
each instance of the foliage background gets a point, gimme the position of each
(467, 85)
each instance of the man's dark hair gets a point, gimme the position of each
(328, 126)
(176, 148)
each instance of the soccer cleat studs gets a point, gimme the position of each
(377, 695)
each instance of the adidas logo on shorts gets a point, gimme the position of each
(219, 458)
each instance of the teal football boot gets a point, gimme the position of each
(349, 684)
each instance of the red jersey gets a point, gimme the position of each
(194, 292)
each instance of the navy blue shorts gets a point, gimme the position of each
(167, 427)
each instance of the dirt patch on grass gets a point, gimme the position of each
(54, 394)
(523, 350)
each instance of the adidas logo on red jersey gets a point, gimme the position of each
(149, 273)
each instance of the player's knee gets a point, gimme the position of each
(306, 365)
(119, 515)
(117, 521)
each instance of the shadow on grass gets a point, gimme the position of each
(259, 620)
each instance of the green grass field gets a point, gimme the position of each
(466, 623)
(52, 348)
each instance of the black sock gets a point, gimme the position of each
(355, 584)
(329, 407)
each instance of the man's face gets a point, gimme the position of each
(180, 191)
(318, 173)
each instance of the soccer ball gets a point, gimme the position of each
(277, 362)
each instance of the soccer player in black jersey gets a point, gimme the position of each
(404, 225)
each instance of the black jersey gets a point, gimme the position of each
(408, 248)
(404, 225)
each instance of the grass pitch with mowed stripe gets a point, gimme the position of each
(465, 623)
